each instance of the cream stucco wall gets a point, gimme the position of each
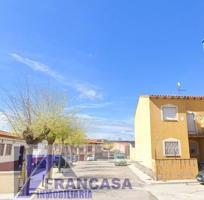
(9, 182)
(133, 153)
(143, 132)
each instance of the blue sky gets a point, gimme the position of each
(104, 53)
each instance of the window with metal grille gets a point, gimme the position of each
(171, 148)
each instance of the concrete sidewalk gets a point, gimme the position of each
(170, 190)
(141, 175)
(145, 178)
(181, 191)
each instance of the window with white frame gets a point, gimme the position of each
(169, 112)
(172, 147)
(8, 149)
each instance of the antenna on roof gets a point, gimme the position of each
(202, 43)
(179, 88)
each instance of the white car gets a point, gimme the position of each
(90, 158)
(120, 160)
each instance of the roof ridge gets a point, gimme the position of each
(177, 96)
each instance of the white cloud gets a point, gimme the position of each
(93, 105)
(97, 127)
(86, 91)
(85, 117)
(4, 125)
(37, 66)
(100, 127)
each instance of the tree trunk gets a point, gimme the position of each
(70, 155)
(59, 163)
(29, 157)
(60, 157)
(49, 161)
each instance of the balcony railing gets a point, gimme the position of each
(196, 134)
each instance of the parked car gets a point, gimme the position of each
(120, 160)
(91, 158)
(64, 162)
(200, 177)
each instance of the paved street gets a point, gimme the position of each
(164, 191)
(140, 190)
(107, 169)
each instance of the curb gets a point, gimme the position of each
(177, 182)
(141, 175)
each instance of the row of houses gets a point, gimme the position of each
(12, 155)
(12, 149)
(97, 148)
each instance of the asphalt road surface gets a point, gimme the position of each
(107, 170)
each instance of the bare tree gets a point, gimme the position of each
(34, 115)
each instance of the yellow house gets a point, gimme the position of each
(169, 135)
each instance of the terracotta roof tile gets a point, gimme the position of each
(176, 97)
(6, 134)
